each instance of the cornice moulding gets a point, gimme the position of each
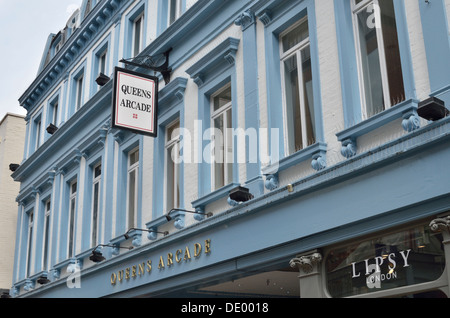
(77, 43)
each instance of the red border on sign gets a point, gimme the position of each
(152, 128)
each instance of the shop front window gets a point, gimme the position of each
(404, 258)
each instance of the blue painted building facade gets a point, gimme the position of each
(319, 108)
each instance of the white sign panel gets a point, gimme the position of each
(135, 102)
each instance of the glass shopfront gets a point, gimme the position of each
(404, 258)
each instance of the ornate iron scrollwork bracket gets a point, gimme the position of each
(148, 62)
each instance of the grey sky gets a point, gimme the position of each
(24, 28)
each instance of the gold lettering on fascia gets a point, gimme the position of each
(177, 257)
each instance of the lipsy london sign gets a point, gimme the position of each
(135, 102)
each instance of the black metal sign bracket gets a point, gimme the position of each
(148, 62)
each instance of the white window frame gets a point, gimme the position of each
(102, 62)
(294, 51)
(227, 141)
(55, 108)
(134, 49)
(72, 218)
(30, 241)
(46, 236)
(172, 184)
(96, 182)
(132, 167)
(357, 8)
(79, 91)
(177, 10)
(38, 133)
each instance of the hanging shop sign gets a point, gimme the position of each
(135, 102)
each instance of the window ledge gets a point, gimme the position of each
(134, 235)
(153, 225)
(313, 152)
(406, 110)
(69, 263)
(214, 196)
(65, 263)
(30, 282)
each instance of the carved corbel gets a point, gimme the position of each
(77, 156)
(34, 193)
(232, 202)
(272, 182)
(51, 177)
(15, 291)
(246, 19)
(102, 136)
(180, 221)
(319, 161)
(74, 49)
(348, 148)
(61, 171)
(200, 215)
(118, 135)
(136, 242)
(29, 285)
(179, 94)
(114, 4)
(152, 235)
(198, 80)
(306, 263)
(67, 58)
(441, 224)
(411, 121)
(93, 28)
(80, 43)
(75, 265)
(100, 21)
(265, 17)
(56, 273)
(86, 35)
(230, 57)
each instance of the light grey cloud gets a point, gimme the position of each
(24, 28)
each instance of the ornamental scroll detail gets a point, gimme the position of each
(306, 263)
(440, 224)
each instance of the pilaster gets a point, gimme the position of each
(442, 225)
(310, 278)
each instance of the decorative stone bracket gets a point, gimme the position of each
(246, 19)
(272, 182)
(306, 263)
(319, 161)
(441, 224)
(406, 111)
